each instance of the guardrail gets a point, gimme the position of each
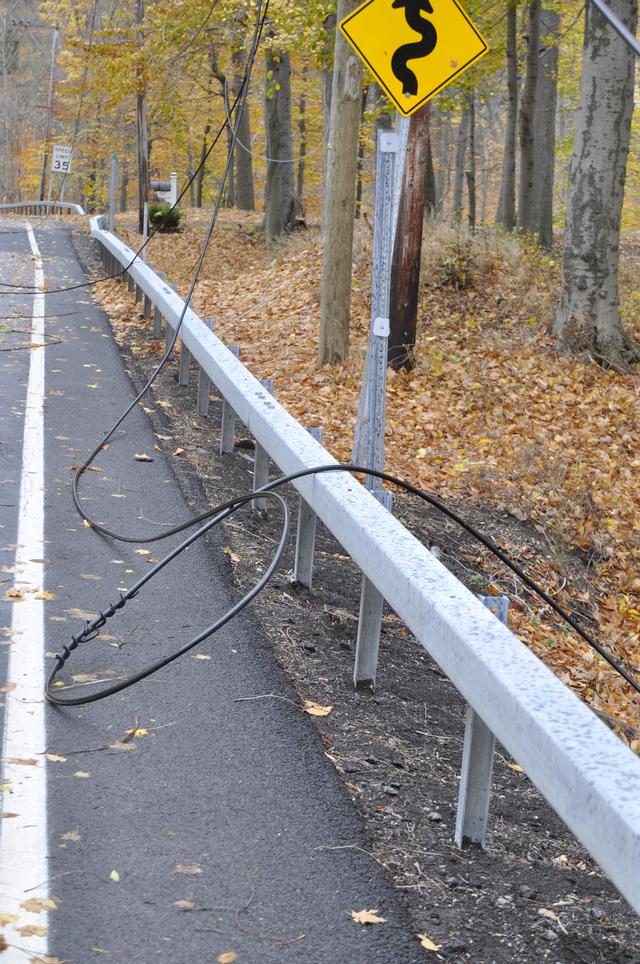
(584, 771)
(42, 207)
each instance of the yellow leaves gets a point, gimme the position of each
(367, 916)
(228, 957)
(115, 876)
(315, 709)
(179, 451)
(191, 870)
(516, 767)
(44, 594)
(6, 919)
(82, 774)
(427, 943)
(228, 551)
(8, 687)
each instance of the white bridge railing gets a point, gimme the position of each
(583, 770)
(42, 207)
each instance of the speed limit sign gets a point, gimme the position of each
(61, 163)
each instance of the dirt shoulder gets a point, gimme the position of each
(534, 894)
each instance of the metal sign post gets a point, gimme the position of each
(368, 447)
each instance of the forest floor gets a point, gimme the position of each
(538, 451)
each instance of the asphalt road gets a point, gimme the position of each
(219, 826)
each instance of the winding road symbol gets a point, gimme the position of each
(413, 10)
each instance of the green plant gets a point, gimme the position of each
(164, 218)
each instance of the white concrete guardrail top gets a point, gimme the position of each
(589, 777)
(37, 207)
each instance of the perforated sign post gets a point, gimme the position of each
(61, 163)
(414, 48)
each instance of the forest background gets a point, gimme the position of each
(486, 411)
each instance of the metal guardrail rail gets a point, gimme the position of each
(589, 777)
(42, 207)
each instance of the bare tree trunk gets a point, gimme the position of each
(279, 206)
(329, 26)
(544, 140)
(124, 184)
(201, 168)
(302, 131)
(405, 267)
(142, 134)
(243, 162)
(363, 107)
(471, 169)
(527, 109)
(342, 163)
(588, 318)
(506, 216)
(458, 187)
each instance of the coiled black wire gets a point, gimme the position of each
(218, 514)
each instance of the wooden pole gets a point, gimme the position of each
(405, 268)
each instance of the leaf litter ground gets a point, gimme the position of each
(539, 454)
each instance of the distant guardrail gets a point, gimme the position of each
(589, 777)
(42, 207)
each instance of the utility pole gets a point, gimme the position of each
(45, 158)
(141, 127)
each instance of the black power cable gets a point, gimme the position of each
(218, 514)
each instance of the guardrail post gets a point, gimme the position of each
(228, 427)
(204, 386)
(261, 461)
(306, 534)
(168, 335)
(474, 795)
(184, 366)
(146, 311)
(130, 282)
(370, 621)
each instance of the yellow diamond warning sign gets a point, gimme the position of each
(414, 48)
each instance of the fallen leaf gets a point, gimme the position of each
(232, 555)
(114, 875)
(123, 746)
(179, 451)
(142, 552)
(367, 916)
(138, 731)
(14, 594)
(32, 930)
(227, 958)
(44, 594)
(82, 774)
(8, 687)
(516, 767)
(143, 457)
(21, 761)
(201, 656)
(427, 943)
(315, 709)
(56, 757)
(184, 904)
(71, 835)
(3, 943)
(37, 905)
(190, 869)
(7, 919)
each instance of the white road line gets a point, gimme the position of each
(23, 838)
